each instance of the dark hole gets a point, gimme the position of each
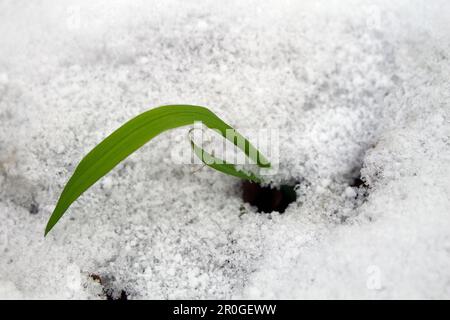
(355, 179)
(267, 199)
(34, 208)
(96, 278)
(356, 182)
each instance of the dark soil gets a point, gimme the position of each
(267, 199)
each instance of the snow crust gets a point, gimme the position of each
(353, 86)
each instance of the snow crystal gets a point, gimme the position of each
(350, 192)
(358, 89)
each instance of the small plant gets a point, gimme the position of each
(138, 131)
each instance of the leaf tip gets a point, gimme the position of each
(49, 227)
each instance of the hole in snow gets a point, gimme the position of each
(357, 182)
(268, 199)
(354, 178)
(361, 186)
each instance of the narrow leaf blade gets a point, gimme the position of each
(129, 138)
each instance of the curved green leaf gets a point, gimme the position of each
(221, 165)
(133, 135)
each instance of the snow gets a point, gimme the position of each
(352, 86)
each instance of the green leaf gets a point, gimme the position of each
(133, 135)
(221, 165)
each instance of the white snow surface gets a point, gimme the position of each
(351, 85)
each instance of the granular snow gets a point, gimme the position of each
(357, 88)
